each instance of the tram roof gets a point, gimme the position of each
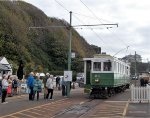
(104, 56)
(98, 56)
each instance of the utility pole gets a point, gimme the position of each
(135, 69)
(68, 82)
(148, 65)
(70, 39)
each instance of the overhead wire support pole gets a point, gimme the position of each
(70, 39)
(135, 69)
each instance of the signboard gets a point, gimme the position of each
(73, 55)
(67, 75)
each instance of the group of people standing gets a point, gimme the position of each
(8, 86)
(34, 84)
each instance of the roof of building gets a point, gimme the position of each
(4, 65)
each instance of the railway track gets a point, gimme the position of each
(50, 109)
(78, 106)
(71, 108)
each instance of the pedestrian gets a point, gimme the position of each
(4, 88)
(44, 81)
(14, 84)
(64, 87)
(142, 82)
(0, 86)
(9, 89)
(58, 82)
(37, 86)
(50, 87)
(30, 82)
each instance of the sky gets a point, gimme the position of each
(132, 16)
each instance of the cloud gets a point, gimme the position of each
(131, 15)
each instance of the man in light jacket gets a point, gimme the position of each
(50, 87)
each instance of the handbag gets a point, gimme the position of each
(9, 90)
(28, 90)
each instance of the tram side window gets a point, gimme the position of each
(107, 66)
(97, 66)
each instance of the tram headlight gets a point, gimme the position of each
(96, 80)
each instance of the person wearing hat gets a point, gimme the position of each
(37, 88)
(30, 83)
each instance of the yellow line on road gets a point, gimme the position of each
(38, 110)
(14, 117)
(27, 115)
(20, 112)
(126, 107)
(82, 103)
(116, 101)
(34, 113)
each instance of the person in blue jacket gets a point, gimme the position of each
(37, 88)
(30, 84)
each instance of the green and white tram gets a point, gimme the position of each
(105, 75)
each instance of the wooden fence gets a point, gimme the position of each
(140, 94)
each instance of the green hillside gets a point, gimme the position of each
(40, 49)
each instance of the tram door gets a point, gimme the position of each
(88, 71)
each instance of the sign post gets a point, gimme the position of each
(68, 80)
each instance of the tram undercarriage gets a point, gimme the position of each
(105, 92)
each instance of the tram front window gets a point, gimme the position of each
(97, 66)
(107, 66)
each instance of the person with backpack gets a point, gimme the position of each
(14, 85)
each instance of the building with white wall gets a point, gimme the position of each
(5, 67)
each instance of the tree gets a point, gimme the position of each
(20, 70)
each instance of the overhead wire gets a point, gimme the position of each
(92, 31)
(83, 23)
(91, 17)
(62, 5)
(101, 22)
